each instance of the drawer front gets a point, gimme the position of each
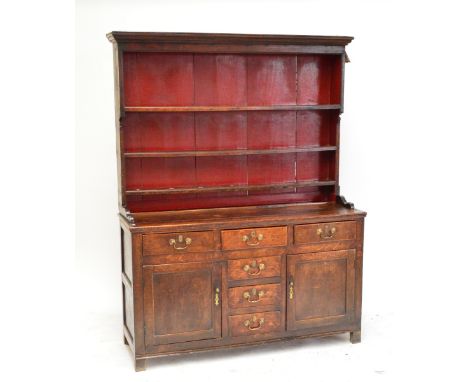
(254, 268)
(177, 243)
(254, 238)
(254, 296)
(254, 323)
(324, 232)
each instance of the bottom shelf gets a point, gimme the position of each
(235, 188)
(221, 199)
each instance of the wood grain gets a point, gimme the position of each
(159, 244)
(259, 296)
(225, 38)
(172, 154)
(271, 323)
(322, 289)
(257, 187)
(186, 109)
(271, 265)
(308, 233)
(180, 303)
(271, 237)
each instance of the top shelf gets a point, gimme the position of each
(173, 109)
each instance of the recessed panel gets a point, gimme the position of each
(128, 307)
(132, 174)
(159, 132)
(149, 173)
(268, 129)
(222, 171)
(320, 289)
(221, 130)
(182, 302)
(316, 128)
(267, 169)
(271, 80)
(220, 79)
(315, 166)
(158, 79)
(315, 77)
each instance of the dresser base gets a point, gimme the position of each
(240, 277)
(140, 362)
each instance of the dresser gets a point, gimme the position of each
(233, 228)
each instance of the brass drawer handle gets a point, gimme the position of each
(180, 243)
(326, 233)
(254, 268)
(291, 290)
(216, 299)
(253, 296)
(253, 239)
(254, 323)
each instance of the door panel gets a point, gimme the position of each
(321, 289)
(182, 303)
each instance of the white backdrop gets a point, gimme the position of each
(403, 161)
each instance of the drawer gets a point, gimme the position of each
(323, 232)
(254, 238)
(254, 323)
(246, 269)
(177, 243)
(256, 295)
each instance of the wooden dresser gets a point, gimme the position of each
(233, 229)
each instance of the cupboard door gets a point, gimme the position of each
(320, 289)
(182, 302)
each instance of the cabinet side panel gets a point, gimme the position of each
(138, 294)
(129, 318)
(126, 247)
(127, 284)
(358, 274)
(118, 99)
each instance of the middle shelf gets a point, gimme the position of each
(238, 152)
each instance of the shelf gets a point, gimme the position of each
(315, 183)
(206, 153)
(173, 109)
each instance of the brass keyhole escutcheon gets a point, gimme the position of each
(216, 299)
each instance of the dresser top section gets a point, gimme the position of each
(239, 217)
(225, 38)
